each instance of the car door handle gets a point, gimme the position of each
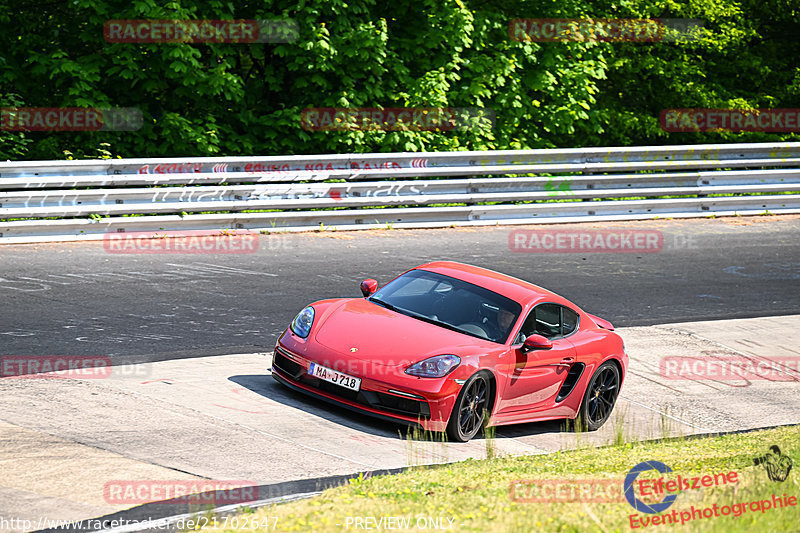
(567, 361)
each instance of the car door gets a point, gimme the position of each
(533, 379)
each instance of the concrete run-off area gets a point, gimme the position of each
(224, 418)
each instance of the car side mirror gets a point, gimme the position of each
(536, 342)
(368, 287)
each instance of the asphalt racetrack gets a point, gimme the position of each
(77, 299)
(190, 398)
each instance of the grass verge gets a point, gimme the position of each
(475, 495)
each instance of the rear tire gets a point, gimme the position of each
(470, 409)
(600, 397)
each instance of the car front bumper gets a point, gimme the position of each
(379, 396)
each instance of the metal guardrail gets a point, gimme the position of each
(76, 200)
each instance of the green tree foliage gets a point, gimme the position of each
(747, 56)
(246, 99)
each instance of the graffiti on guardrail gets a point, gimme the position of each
(60, 189)
(265, 168)
(398, 189)
(173, 168)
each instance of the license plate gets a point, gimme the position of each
(332, 376)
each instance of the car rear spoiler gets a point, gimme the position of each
(605, 324)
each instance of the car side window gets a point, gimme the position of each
(569, 321)
(527, 328)
(543, 320)
(550, 321)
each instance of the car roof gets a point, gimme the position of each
(520, 291)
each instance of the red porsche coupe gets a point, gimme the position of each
(455, 347)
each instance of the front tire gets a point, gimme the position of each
(600, 397)
(470, 410)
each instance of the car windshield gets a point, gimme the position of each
(451, 303)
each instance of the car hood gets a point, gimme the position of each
(387, 337)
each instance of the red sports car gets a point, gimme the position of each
(455, 347)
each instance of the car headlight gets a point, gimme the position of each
(434, 367)
(301, 325)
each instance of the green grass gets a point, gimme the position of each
(475, 493)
